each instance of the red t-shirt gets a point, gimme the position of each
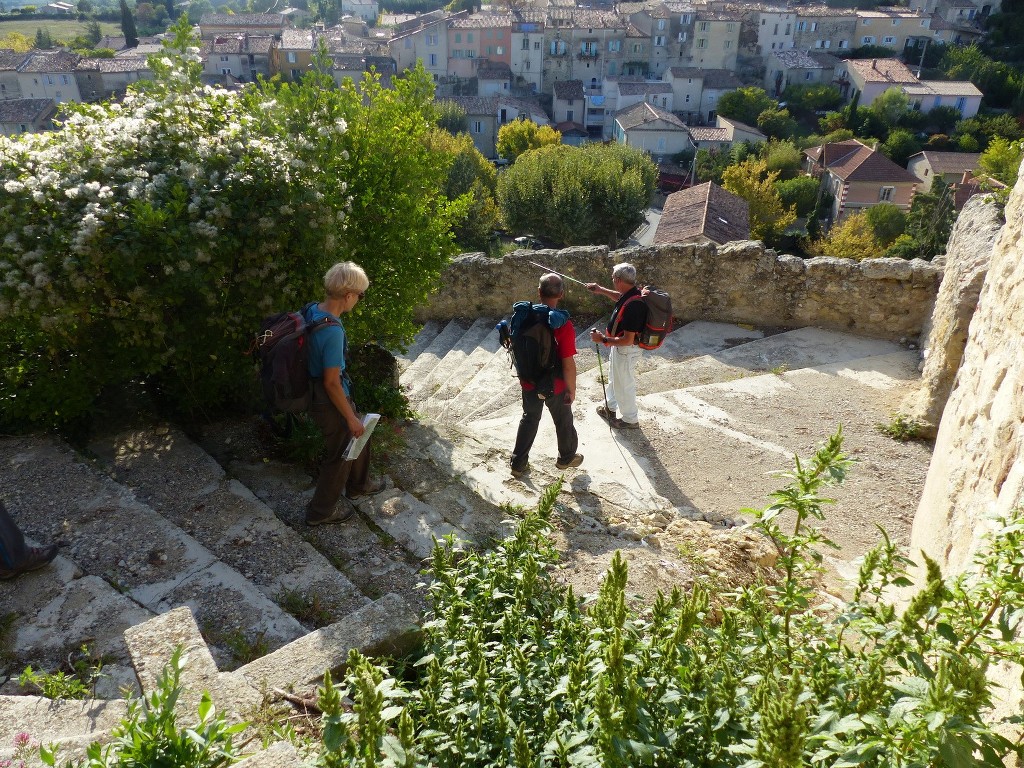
(565, 341)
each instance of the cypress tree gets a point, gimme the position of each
(131, 34)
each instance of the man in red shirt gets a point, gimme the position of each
(551, 291)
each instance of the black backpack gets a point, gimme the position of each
(282, 349)
(530, 340)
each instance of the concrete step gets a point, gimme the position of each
(176, 476)
(112, 535)
(423, 337)
(429, 357)
(60, 608)
(72, 724)
(430, 386)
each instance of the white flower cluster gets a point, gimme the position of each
(173, 184)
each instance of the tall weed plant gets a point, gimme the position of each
(145, 240)
(519, 671)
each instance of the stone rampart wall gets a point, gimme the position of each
(740, 282)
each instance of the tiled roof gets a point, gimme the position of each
(646, 88)
(481, 22)
(703, 15)
(708, 133)
(489, 105)
(826, 60)
(944, 88)
(243, 20)
(629, 8)
(742, 126)
(951, 162)
(570, 128)
(672, 7)
(706, 210)
(880, 14)
(123, 64)
(939, 24)
(852, 161)
(644, 113)
(590, 19)
(881, 70)
(794, 59)
(495, 70)
(10, 59)
(297, 39)
(721, 79)
(50, 61)
(142, 49)
(23, 110)
(237, 44)
(694, 72)
(823, 11)
(569, 89)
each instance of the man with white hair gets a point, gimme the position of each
(626, 322)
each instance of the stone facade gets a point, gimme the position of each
(741, 282)
(977, 469)
(966, 264)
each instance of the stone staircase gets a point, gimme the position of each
(150, 519)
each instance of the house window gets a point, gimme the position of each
(727, 44)
(501, 34)
(659, 41)
(295, 74)
(614, 45)
(687, 99)
(661, 24)
(500, 50)
(526, 43)
(730, 27)
(223, 58)
(814, 26)
(490, 34)
(702, 42)
(469, 37)
(458, 37)
(477, 126)
(684, 19)
(801, 26)
(49, 79)
(569, 114)
(292, 58)
(433, 59)
(888, 40)
(885, 194)
(536, 45)
(64, 79)
(490, 50)
(225, 70)
(661, 144)
(961, 102)
(787, 30)
(895, 22)
(682, 37)
(637, 48)
(867, 40)
(703, 26)
(843, 43)
(431, 39)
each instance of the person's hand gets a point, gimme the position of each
(596, 336)
(570, 396)
(355, 426)
(592, 287)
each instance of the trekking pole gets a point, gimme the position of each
(600, 371)
(560, 274)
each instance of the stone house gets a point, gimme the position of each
(724, 134)
(493, 78)
(775, 30)
(49, 75)
(9, 86)
(243, 56)
(651, 129)
(950, 166)
(219, 24)
(569, 103)
(716, 38)
(100, 79)
(486, 115)
(367, 10)
(859, 177)
(632, 92)
(872, 77)
(424, 39)
(795, 67)
(891, 28)
(821, 28)
(19, 116)
(963, 96)
(588, 45)
(702, 214)
(478, 37)
(527, 50)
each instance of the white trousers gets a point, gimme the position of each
(622, 382)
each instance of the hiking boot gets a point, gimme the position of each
(575, 461)
(343, 510)
(371, 487)
(35, 557)
(520, 471)
(605, 414)
(620, 424)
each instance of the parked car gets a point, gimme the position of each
(527, 241)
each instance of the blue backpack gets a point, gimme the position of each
(530, 340)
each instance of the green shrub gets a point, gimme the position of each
(518, 671)
(145, 240)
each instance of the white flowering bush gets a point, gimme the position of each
(145, 240)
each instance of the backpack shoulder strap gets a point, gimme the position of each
(622, 311)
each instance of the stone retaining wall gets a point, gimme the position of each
(741, 282)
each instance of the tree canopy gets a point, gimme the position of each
(752, 181)
(745, 104)
(577, 195)
(519, 136)
(854, 239)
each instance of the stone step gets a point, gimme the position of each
(112, 535)
(423, 337)
(429, 357)
(72, 724)
(375, 563)
(176, 476)
(430, 386)
(60, 609)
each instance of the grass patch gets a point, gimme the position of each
(62, 29)
(902, 428)
(241, 646)
(309, 609)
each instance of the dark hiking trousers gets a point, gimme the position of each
(336, 474)
(561, 415)
(12, 543)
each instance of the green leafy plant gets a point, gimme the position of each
(309, 609)
(901, 427)
(78, 683)
(516, 670)
(241, 645)
(150, 735)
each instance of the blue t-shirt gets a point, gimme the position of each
(327, 346)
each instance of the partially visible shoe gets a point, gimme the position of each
(35, 557)
(343, 510)
(620, 424)
(520, 471)
(372, 487)
(575, 461)
(605, 413)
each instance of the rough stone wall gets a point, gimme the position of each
(945, 335)
(740, 282)
(977, 469)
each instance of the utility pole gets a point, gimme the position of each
(920, 65)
